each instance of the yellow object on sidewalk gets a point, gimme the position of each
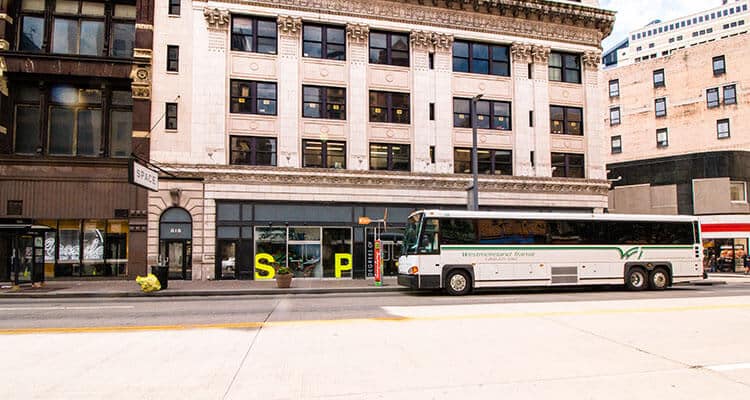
(149, 283)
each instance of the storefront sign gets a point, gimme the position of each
(143, 176)
(370, 264)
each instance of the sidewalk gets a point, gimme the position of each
(179, 288)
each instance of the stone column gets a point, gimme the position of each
(421, 95)
(357, 96)
(523, 102)
(542, 145)
(443, 44)
(288, 91)
(593, 130)
(210, 73)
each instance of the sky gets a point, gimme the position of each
(634, 14)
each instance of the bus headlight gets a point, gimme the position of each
(413, 270)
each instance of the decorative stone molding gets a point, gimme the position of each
(540, 54)
(140, 84)
(7, 18)
(145, 27)
(538, 19)
(522, 52)
(592, 59)
(4, 45)
(358, 33)
(216, 18)
(421, 40)
(442, 41)
(431, 41)
(389, 180)
(290, 26)
(143, 55)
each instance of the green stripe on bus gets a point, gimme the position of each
(624, 254)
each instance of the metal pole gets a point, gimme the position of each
(474, 157)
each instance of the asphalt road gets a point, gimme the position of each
(684, 343)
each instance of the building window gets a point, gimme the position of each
(738, 192)
(568, 165)
(323, 102)
(614, 88)
(614, 116)
(730, 94)
(249, 97)
(389, 48)
(322, 41)
(174, 7)
(254, 35)
(74, 120)
(662, 137)
(616, 145)
(722, 129)
(719, 66)
(252, 150)
(565, 67)
(323, 154)
(171, 116)
(566, 120)
(389, 157)
(481, 58)
(389, 107)
(490, 114)
(173, 58)
(77, 28)
(490, 162)
(431, 110)
(660, 107)
(712, 97)
(659, 78)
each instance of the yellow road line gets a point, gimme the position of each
(258, 325)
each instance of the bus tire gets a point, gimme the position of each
(636, 279)
(457, 283)
(658, 279)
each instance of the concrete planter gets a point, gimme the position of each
(284, 281)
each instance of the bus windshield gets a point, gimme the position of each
(411, 234)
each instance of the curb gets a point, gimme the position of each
(708, 282)
(201, 293)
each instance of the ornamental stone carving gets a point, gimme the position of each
(358, 33)
(592, 59)
(290, 26)
(421, 40)
(216, 18)
(540, 54)
(140, 76)
(547, 20)
(431, 41)
(442, 41)
(522, 52)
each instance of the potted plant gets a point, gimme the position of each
(284, 277)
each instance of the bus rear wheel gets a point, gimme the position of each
(636, 279)
(658, 279)
(458, 283)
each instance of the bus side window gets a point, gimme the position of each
(428, 243)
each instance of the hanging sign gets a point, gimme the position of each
(378, 262)
(143, 176)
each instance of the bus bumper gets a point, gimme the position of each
(419, 281)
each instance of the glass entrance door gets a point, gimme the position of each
(176, 254)
(25, 253)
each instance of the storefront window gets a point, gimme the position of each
(228, 254)
(271, 243)
(93, 248)
(724, 255)
(337, 252)
(116, 247)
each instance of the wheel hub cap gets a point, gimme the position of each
(458, 283)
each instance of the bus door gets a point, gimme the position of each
(430, 262)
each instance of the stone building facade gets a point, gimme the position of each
(74, 106)
(679, 141)
(283, 121)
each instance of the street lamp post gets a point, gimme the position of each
(474, 204)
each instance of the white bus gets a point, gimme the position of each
(462, 250)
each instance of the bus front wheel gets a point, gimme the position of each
(458, 283)
(636, 279)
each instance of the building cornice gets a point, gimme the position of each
(535, 19)
(385, 180)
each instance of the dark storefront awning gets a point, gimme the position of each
(22, 225)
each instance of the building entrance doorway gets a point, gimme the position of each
(175, 242)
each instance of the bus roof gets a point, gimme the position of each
(554, 215)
